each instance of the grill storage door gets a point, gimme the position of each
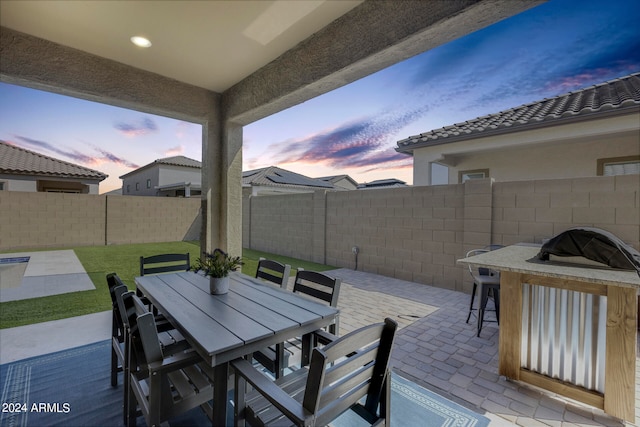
(564, 335)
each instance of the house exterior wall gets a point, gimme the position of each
(139, 179)
(46, 220)
(34, 184)
(561, 160)
(418, 233)
(158, 175)
(551, 152)
(19, 184)
(172, 174)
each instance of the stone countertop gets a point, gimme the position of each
(522, 259)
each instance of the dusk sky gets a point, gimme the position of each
(557, 47)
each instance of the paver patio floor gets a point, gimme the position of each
(442, 353)
(434, 348)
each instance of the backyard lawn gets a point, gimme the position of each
(98, 261)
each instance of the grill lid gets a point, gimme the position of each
(594, 244)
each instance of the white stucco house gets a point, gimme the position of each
(177, 176)
(25, 170)
(588, 132)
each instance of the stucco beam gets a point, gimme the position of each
(41, 64)
(372, 36)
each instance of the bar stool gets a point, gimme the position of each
(487, 283)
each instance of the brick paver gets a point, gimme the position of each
(441, 352)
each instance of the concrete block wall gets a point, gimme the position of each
(418, 233)
(44, 220)
(31, 220)
(413, 233)
(132, 219)
(283, 224)
(530, 211)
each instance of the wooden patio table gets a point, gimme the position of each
(531, 330)
(252, 316)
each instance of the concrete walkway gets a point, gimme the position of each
(434, 348)
(46, 273)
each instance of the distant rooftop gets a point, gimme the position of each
(19, 161)
(382, 183)
(275, 176)
(618, 96)
(172, 161)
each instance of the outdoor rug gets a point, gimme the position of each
(72, 388)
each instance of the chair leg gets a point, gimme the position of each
(484, 297)
(279, 362)
(114, 367)
(473, 295)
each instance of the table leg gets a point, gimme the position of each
(220, 391)
(307, 346)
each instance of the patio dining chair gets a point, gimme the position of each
(165, 385)
(340, 375)
(274, 272)
(116, 289)
(163, 263)
(171, 340)
(489, 282)
(317, 286)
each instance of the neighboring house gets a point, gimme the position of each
(24, 170)
(273, 180)
(589, 132)
(177, 176)
(341, 181)
(382, 183)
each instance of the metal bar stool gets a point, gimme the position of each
(486, 283)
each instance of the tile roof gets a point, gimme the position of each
(179, 161)
(617, 96)
(19, 161)
(275, 177)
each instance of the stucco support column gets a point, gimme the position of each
(231, 189)
(211, 193)
(423, 167)
(222, 176)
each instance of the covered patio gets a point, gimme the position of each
(434, 348)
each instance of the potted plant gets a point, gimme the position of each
(217, 266)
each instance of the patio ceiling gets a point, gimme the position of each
(209, 44)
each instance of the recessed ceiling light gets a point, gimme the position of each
(140, 41)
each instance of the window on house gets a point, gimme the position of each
(137, 186)
(464, 176)
(2, 185)
(128, 188)
(148, 183)
(628, 165)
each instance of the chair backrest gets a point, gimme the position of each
(130, 307)
(274, 272)
(164, 263)
(116, 288)
(482, 271)
(353, 366)
(317, 285)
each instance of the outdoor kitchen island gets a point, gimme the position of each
(567, 328)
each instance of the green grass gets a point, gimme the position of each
(98, 261)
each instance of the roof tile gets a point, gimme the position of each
(19, 161)
(619, 94)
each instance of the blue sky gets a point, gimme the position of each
(552, 49)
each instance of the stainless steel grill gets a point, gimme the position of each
(563, 335)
